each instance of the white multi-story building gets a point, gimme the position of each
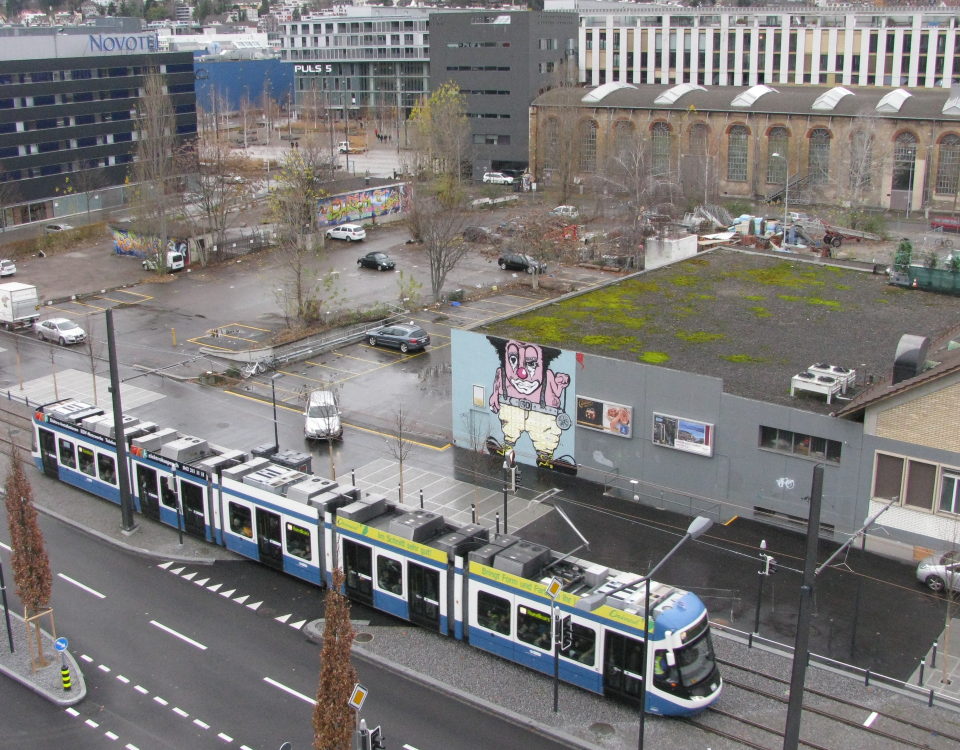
(359, 62)
(664, 44)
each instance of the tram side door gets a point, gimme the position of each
(622, 666)
(48, 453)
(191, 499)
(424, 593)
(148, 492)
(358, 567)
(269, 543)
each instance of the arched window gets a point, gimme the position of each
(588, 146)
(698, 139)
(660, 148)
(624, 144)
(861, 162)
(551, 144)
(737, 143)
(778, 142)
(948, 165)
(818, 158)
(904, 161)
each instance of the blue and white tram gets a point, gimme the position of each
(456, 581)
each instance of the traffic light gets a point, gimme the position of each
(564, 631)
(377, 740)
(769, 565)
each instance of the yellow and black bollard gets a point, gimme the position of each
(65, 675)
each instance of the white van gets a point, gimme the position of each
(321, 420)
(175, 261)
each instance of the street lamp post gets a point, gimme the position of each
(786, 191)
(273, 398)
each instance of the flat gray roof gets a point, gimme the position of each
(751, 319)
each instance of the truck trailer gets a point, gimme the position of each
(19, 305)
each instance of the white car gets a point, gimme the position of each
(939, 572)
(497, 178)
(567, 212)
(61, 330)
(348, 232)
(7, 267)
(322, 417)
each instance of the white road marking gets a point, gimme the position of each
(79, 585)
(215, 588)
(180, 712)
(178, 571)
(91, 723)
(242, 599)
(161, 701)
(226, 737)
(291, 691)
(111, 736)
(166, 564)
(73, 712)
(227, 593)
(298, 625)
(130, 746)
(86, 658)
(409, 747)
(870, 719)
(189, 576)
(140, 689)
(254, 607)
(283, 618)
(181, 636)
(201, 724)
(103, 668)
(6, 547)
(124, 680)
(202, 582)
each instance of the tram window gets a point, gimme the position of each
(533, 627)
(168, 491)
(389, 575)
(493, 613)
(106, 468)
(67, 457)
(86, 461)
(298, 541)
(240, 520)
(582, 646)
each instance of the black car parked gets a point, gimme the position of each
(521, 262)
(380, 261)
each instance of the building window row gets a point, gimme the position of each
(500, 68)
(485, 92)
(800, 444)
(922, 485)
(487, 116)
(458, 45)
(490, 139)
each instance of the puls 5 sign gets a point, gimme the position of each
(312, 68)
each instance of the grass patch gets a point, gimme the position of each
(684, 280)
(607, 342)
(741, 358)
(831, 303)
(754, 297)
(654, 358)
(760, 312)
(698, 337)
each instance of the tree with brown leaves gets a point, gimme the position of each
(333, 719)
(31, 567)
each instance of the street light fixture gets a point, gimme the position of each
(591, 602)
(786, 192)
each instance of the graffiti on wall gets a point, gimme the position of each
(529, 397)
(360, 205)
(128, 242)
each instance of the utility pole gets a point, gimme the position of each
(123, 478)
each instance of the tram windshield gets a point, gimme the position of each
(695, 659)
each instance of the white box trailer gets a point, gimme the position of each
(19, 305)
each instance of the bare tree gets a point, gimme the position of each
(31, 567)
(559, 145)
(441, 131)
(333, 719)
(294, 207)
(153, 170)
(436, 218)
(398, 443)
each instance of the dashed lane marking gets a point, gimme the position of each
(81, 586)
(290, 691)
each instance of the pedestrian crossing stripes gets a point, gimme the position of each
(186, 574)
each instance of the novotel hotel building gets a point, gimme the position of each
(68, 111)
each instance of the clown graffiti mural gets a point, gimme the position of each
(529, 397)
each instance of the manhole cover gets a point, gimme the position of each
(600, 729)
(363, 637)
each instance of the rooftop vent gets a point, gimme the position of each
(911, 354)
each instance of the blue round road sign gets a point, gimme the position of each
(60, 644)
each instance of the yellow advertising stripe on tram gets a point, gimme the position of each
(385, 537)
(536, 588)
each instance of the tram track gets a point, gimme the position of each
(898, 731)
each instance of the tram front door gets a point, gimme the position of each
(48, 453)
(358, 569)
(148, 492)
(424, 588)
(268, 538)
(622, 666)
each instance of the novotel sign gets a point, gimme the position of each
(123, 43)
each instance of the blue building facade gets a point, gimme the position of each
(228, 81)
